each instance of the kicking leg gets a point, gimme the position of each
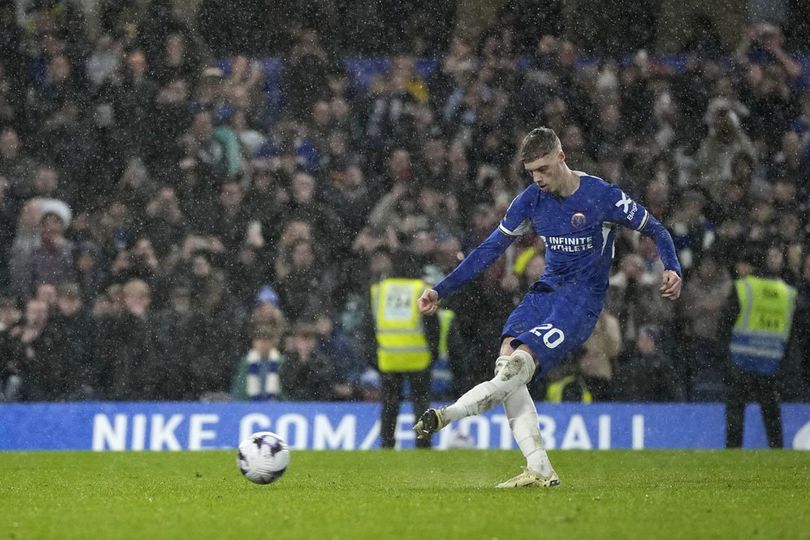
(512, 371)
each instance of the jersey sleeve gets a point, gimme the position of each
(516, 222)
(625, 211)
(475, 263)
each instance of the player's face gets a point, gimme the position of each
(547, 171)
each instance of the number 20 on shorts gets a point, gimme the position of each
(552, 337)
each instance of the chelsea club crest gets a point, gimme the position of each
(578, 220)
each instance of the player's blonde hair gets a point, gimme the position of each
(538, 143)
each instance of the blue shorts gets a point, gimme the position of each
(553, 323)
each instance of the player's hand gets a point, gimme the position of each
(429, 302)
(671, 285)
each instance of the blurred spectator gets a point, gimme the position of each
(597, 362)
(257, 374)
(633, 295)
(203, 153)
(72, 333)
(10, 316)
(306, 206)
(703, 301)
(104, 61)
(307, 374)
(340, 349)
(15, 165)
(165, 223)
(307, 285)
(178, 334)
(351, 193)
(55, 108)
(644, 373)
(307, 63)
(179, 61)
(568, 384)
(134, 105)
(267, 312)
(725, 140)
(50, 263)
(130, 367)
(230, 219)
(691, 230)
(40, 377)
(8, 229)
(222, 329)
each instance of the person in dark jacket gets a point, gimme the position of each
(646, 373)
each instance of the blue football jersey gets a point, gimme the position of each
(578, 230)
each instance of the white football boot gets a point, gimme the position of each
(529, 478)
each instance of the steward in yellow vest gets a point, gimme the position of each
(405, 341)
(762, 329)
(401, 342)
(762, 311)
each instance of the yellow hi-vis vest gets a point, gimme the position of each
(554, 393)
(440, 373)
(401, 341)
(763, 326)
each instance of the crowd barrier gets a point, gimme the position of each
(158, 426)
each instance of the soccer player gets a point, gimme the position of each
(576, 216)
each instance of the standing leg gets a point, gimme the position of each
(420, 397)
(522, 415)
(391, 397)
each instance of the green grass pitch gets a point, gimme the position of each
(409, 494)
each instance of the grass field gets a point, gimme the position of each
(425, 495)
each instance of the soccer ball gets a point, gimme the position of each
(263, 457)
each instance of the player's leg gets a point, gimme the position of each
(550, 340)
(391, 398)
(512, 372)
(523, 420)
(420, 392)
(522, 415)
(769, 399)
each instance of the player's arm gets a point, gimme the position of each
(625, 211)
(473, 264)
(671, 282)
(513, 225)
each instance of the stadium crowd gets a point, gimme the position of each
(165, 222)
